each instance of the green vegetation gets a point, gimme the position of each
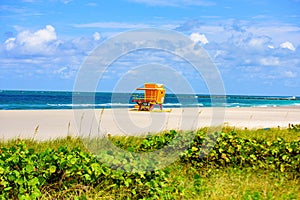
(241, 164)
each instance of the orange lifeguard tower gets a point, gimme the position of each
(154, 94)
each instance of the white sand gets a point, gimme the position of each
(49, 124)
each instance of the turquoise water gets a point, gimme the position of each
(33, 100)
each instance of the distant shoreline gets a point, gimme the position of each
(49, 100)
(67, 91)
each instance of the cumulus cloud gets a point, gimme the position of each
(66, 1)
(288, 45)
(65, 72)
(44, 42)
(42, 52)
(290, 74)
(238, 45)
(260, 42)
(37, 38)
(28, 42)
(97, 36)
(233, 45)
(196, 37)
(10, 43)
(269, 61)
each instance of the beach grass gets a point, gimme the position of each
(184, 179)
(190, 183)
(269, 134)
(128, 141)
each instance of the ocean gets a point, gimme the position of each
(34, 100)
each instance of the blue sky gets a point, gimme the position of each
(254, 43)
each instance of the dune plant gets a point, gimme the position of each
(63, 168)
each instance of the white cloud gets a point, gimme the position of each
(277, 31)
(10, 43)
(259, 42)
(236, 45)
(37, 38)
(233, 45)
(62, 1)
(65, 72)
(66, 1)
(289, 74)
(44, 42)
(269, 61)
(222, 30)
(256, 42)
(196, 37)
(33, 42)
(97, 36)
(288, 45)
(41, 52)
(60, 70)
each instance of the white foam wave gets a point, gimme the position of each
(91, 105)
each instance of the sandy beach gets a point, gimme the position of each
(50, 124)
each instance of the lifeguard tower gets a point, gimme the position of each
(154, 94)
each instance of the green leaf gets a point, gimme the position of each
(34, 181)
(35, 194)
(282, 169)
(133, 191)
(29, 168)
(194, 149)
(127, 182)
(253, 157)
(2, 170)
(73, 161)
(7, 188)
(285, 157)
(20, 181)
(87, 177)
(52, 169)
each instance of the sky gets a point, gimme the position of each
(255, 44)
